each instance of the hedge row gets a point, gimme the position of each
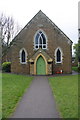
(6, 67)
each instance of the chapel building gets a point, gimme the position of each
(40, 48)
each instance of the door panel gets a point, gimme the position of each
(41, 66)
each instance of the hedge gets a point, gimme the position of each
(6, 67)
(79, 68)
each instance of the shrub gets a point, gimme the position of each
(79, 68)
(6, 67)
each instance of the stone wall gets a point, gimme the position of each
(55, 38)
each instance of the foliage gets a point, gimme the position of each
(13, 88)
(76, 68)
(76, 47)
(65, 91)
(6, 67)
(79, 68)
(79, 50)
(0, 96)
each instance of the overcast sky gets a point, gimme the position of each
(79, 15)
(64, 13)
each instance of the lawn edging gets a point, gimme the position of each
(65, 91)
(12, 95)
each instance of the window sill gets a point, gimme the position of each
(23, 63)
(39, 48)
(58, 63)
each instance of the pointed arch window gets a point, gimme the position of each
(23, 56)
(40, 40)
(58, 55)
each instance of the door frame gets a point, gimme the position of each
(35, 62)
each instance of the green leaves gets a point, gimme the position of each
(6, 66)
(76, 47)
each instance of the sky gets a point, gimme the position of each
(64, 13)
(79, 14)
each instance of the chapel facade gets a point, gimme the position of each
(40, 48)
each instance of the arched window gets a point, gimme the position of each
(23, 56)
(58, 55)
(40, 40)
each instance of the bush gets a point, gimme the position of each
(79, 69)
(6, 67)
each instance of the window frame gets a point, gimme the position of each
(56, 55)
(38, 45)
(20, 54)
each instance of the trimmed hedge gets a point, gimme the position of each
(79, 69)
(6, 67)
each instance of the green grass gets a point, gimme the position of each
(0, 95)
(13, 88)
(75, 68)
(65, 91)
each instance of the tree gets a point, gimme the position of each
(76, 48)
(3, 21)
(8, 27)
(79, 51)
(0, 50)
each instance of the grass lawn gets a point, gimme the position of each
(65, 91)
(13, 88)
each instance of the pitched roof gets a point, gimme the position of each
(40, 51)
(56, 27)
(41, 14)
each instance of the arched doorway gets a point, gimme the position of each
(40, 66)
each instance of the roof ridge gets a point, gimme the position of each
(40, 11)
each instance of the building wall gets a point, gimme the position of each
(55, 38)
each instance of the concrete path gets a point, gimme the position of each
(38, 101)
(75, 73)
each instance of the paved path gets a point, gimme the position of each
(38, 101)
(75, 73)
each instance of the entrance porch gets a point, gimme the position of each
(40, 63)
